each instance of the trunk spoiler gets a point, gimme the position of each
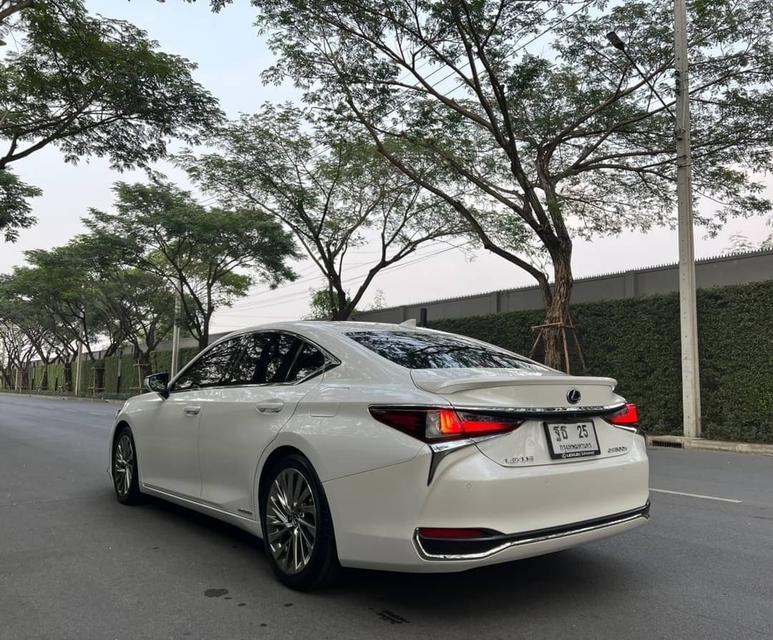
(429, 380)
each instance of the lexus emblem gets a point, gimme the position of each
(573, 395)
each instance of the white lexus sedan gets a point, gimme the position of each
(384, 446)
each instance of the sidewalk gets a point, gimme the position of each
(682, 442)
(55, 396)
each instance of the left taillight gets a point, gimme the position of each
(433, 424)
(627, 417)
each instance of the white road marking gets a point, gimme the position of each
(696, 495)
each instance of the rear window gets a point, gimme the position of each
(418, 350)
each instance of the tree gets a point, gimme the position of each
(562, 139)
(17, 353)
(138, 304)
(80, 293)
(61, 282)
(210, 256)
(332, 191)
(322, 305)
(23, 315)
(15, 210)
(90, 86)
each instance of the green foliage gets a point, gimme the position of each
(15, 210)
(113, 386)
(636, 341)
(525, 110)
(91, 86)
(321, 305)
(209, 255)
(328, 186)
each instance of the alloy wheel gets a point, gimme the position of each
(123, 465)
(291, 521)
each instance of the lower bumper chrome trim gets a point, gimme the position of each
(507, 541)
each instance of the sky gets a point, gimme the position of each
(230, 56)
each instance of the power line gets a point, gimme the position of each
(322, 278)
(466, 65)
(292, 297)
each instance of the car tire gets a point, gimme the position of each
(297, 526)
(124, 468)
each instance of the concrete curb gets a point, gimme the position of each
(57, 397)
(709, 445)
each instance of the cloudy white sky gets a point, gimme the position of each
(230, 56)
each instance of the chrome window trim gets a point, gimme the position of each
(331, 361)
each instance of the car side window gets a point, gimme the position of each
(213, 369)
(266, 359)
(281, 350)
(253, 360)
(308, 360)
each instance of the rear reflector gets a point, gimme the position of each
(453, 534)
(432, 424)
(629, 416)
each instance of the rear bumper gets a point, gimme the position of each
(481, 548)
(537, 509)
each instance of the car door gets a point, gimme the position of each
(170, 457)
(239, 421)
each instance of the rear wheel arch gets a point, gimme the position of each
(323, 564)
(273, 459)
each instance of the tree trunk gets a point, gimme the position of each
(143, 360)
(557, 309)
(68, 382)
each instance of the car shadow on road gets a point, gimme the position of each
(519, 585)
(534, 582)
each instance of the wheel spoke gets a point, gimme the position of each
(123, 465)
(291, 520)
(309, 527)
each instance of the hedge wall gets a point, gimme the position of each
(110, 384)
(636, 341)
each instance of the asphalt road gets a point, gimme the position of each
(76, 564)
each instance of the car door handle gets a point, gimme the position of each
(191, 411)
(270, 406)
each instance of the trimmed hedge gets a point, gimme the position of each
(636, 341)
(108, 383)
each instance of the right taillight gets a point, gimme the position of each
(433, 424)
(627, 417)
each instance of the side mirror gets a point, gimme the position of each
(158, 382)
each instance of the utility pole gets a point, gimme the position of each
(691, 391)
(688, 314)
(175, 335)
(78, 369)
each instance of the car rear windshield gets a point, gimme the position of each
(419, 350)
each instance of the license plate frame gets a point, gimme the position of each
(570, 433)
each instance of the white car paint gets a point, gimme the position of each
(206, 449)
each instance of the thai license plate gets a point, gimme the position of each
(571, 439)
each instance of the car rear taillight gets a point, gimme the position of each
(628, 416)
(432, 424)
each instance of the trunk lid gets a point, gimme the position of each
(543, 399)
